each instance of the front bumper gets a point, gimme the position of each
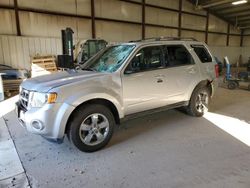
(49, 121)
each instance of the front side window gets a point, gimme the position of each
(177, 55)
(110, 59)
(202, 53)
(147, 58)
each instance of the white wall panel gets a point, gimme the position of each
(200, 36)
(35, 24)
(246, 41)
(247, 31)
(217, 40)
(161, 17)
(216, 24)
(7, 22)
(83, 7)
(164, 3)
(158, 32)
(231, 52)
(6, 2)
(117, 32)
(66, 6)
(17, 51)
(245, 53)
(234, 41)
(117, 10)
(189, 7)
(193, 22)
(234, 30)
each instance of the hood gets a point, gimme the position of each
(48, 82)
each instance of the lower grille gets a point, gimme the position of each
(24, 98)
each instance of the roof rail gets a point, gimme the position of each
(165, 39)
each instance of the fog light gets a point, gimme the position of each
(37, 125)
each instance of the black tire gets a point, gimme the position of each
(83, 117)
(198, 110)
(232, 85)
(248, 87)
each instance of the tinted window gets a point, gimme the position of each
(177, 55)
(146, 59)
(202, 53)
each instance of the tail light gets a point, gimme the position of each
(217, 71)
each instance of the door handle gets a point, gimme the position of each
(159, 80)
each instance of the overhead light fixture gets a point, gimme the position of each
(239, 2)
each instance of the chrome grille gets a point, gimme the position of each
(24, 98)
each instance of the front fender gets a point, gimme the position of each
(78, 100)
(71, 103)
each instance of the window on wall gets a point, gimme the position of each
(146, 59)
(202, 53)
(177, 55)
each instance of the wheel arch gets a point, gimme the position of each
(206, 83)
(102, 101)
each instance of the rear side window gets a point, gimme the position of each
(202, 53)
(177, 55)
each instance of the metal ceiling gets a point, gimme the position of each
(238, 15)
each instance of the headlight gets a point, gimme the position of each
(37, 99)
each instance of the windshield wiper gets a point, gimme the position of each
(89, 69)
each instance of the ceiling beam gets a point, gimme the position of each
(235, 10)
(241, 18)
(229, 7)
(215, 3)
(237, 14)
(245, 27)
(244, 22)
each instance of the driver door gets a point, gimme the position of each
(143, 80)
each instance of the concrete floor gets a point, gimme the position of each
(168, 149)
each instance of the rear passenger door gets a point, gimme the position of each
(181, 70)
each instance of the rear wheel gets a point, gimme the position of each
(232, 85)
(199, 101)
(92, 127)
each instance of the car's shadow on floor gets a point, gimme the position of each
(170, 119)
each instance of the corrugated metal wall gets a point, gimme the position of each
(41, 31)
(17, 51)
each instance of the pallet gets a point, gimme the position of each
(43, 65)
(11, 85)
(46, 57)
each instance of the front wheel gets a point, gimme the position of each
(199, 101)
(92, 127)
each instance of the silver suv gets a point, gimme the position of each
(118, 82)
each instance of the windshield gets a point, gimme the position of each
(110, 59)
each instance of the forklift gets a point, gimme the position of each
(242, 79)
(75, 55)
